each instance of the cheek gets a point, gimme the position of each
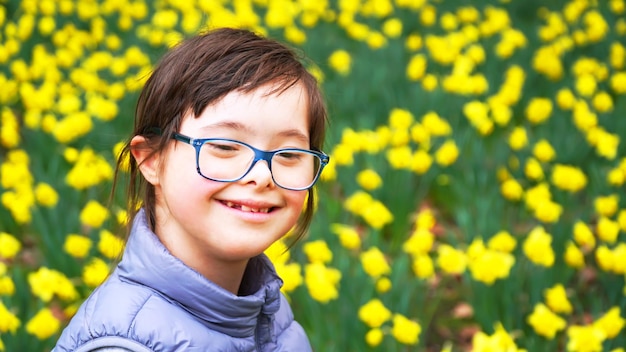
(297, 201)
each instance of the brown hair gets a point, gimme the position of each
(200, 71)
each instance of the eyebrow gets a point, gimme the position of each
(237, 126)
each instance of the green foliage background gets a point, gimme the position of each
(466, 196)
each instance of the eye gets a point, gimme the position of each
(290, 155)
(222, 148)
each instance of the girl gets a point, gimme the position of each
(226, 148)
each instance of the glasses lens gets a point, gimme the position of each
(224, 160)
(295, 169)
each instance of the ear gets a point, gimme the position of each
(148, 164)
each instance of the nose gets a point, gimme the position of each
(259, 174)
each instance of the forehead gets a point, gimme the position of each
(262, 112)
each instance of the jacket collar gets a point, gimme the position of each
(147, 262)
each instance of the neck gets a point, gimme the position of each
(224, 273)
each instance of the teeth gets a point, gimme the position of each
(246, 208)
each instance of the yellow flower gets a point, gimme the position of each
(619, 266)
(375, 40)
(583, 235)
(93, 214)
(357, 202)
(573, 256)
(322, 282)
(413, 42)
(605, 258)
(606, 205)
(77, 246)
(584, 118)
(383, 285)
(448, 21)
(420, 242)
(512, 190)
(429, 82)
(501, 340)
(585, 338)
(45, 283)
(537, 247)
(400, 118)
(547, 211)
(278, 252)
(377, 215)
(487, 265)
(547, 61)
(44, 324)
(404, 330)
(10, 134)
(602, 102)
(606, 143)
(110, 245)
(7, 287)
(72, 126)
(428, 15)
(8, 321)
(565, 99)
(348, 236)
(416, 69)
(374, 263)
(95, 272)
(518, 138)
(392, 27)
(89, 170)
(543, 151)
(538, 110)
(423, 266)
(533, 169)
(9, 246)
(421, 162)
(435, 124)
(295, 35)
(545, 322)
(611, 323)
(607, 230)
(342, 155)
(369, 179)
(340, 61)
(374, 337)
(568, 178)
(586, 85)
(618, 82)
(502, 242)
(451, 260)
(46, 195)
(317, 251)
(420, 135)
(291, 275)
(330, 171)
(374, 313)
(556, 299)
(615, 177)
(447, 154)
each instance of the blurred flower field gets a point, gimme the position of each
(475, 198)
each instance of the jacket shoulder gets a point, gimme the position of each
(290, 334)
(124, 313)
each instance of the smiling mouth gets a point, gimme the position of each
(247, 209)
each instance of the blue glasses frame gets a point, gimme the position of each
(259, 155)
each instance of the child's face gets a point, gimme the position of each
(205, 222)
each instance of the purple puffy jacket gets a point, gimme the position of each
(154, 302)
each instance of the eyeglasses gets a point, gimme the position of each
(228, 160)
